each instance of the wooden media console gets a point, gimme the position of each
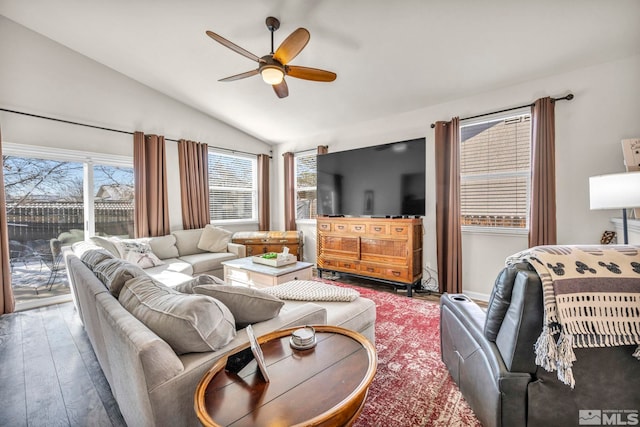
(384, 249)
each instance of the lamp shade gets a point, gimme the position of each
(271, 74)
(615, 191)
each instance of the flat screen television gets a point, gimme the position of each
(378, 181)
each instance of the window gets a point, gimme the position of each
(113, 195)
(49, 194)
(233, 183)
(495, 170)
(306, 194)
(59, 198)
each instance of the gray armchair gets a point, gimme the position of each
(490, 355)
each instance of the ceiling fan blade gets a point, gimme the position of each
(292, 46)
(307, 73)
(234, 47)
(240, 76)
(282, 90)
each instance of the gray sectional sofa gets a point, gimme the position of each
(179, 253)
(153, 385)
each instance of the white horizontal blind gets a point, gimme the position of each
(306, 186)
(232, 187)
(495, 165)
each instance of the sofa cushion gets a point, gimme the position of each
(187, 241)
(205, 279)
(207, 261)
(79, 248)
(214, 239)
(164, 246)
(114, 272)
(172, 264)
(139, 253)
(169, 278)
(112, 244)
(247, 305)
(188, 323)
(357, 315)
(93, 257)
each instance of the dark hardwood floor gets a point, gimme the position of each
(49, 374)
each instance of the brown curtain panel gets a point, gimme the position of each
(448, 228)
(193, 158)
(264, 214)
(542, 215)
(149, 171)
(7, 302)
(289, 192)
(323, 149)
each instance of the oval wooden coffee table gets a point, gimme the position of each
(323, 386)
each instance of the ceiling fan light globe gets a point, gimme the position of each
(272, 75)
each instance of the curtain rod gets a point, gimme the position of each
(569, 97)
(304, 151)
(104, 128)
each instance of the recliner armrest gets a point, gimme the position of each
(473, 317)
(497, 396)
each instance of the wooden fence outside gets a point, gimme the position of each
(46, 220)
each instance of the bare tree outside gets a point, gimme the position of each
(28, 179)
(45, 210)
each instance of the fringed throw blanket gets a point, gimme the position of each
(591, 299)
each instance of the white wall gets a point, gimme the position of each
(606, 109)
(42, 77)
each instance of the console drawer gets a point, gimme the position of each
(399, 230)
(397, 273)
(324, 226)
(357, 228)
(380, 229)
(371, 269)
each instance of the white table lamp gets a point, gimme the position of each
(616, 191)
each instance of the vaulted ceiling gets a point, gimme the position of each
(390, 56)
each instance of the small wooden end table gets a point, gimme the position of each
(324, 386)
(245, 272)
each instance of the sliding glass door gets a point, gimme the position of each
(52, 203)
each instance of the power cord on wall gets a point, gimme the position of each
(429, 283)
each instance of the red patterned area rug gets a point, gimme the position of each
(412, 386)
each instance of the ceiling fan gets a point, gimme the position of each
(274, 66)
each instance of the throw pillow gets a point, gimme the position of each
(187, 287)
(309, 290)
(214, 239)
(93, 257)
(139, 253)
(188, 323)
(164, 246)
(247, 305)
(112, 244)
(115, 272)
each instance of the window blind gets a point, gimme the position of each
(494, 172)
(306, 185)
(232, 182)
